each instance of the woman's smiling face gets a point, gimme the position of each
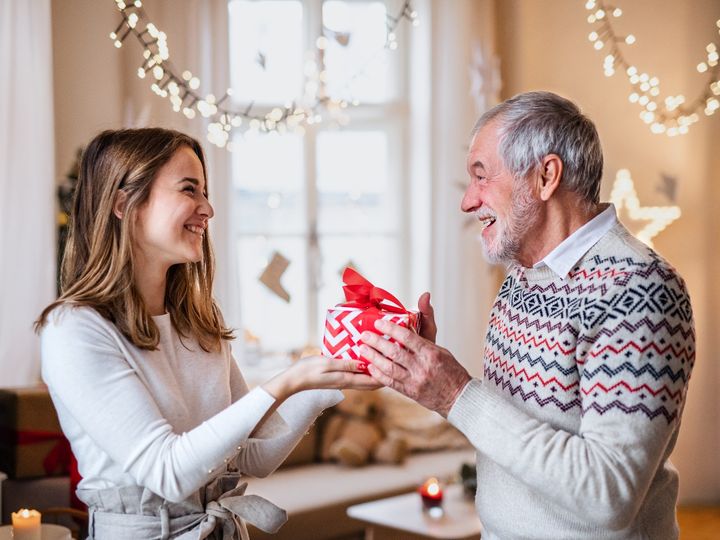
(171, 224)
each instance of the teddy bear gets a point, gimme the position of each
(354, 436)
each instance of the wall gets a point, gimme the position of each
(87, 78)
(544, 45)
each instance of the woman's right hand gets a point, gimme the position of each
(314, 372)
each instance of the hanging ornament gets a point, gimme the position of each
(668, 186)
(485, 81)
(261, 60)
(341, 38)
(626, 201)
(272, 273)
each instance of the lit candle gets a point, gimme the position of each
(432, 496)
(26, 524)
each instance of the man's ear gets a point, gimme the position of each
(119, 204)
(551, 168)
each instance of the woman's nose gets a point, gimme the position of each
(206, 210)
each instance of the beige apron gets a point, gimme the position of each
(218, 511)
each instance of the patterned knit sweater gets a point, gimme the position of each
(579, 409)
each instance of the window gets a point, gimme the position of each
(333, 193)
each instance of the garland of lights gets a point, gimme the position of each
(674, 116)
(181, 88)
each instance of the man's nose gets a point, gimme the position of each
(471, 200)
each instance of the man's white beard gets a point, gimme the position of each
(523, 215)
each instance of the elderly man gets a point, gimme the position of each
(589, 347)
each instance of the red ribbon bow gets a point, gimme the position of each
(359, 292)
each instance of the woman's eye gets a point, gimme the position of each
(189, 189)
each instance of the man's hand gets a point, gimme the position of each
(414, 366)
(428, 328)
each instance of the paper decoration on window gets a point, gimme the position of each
(341, 38)
(261, 60)
(626, 201)
(270, 277)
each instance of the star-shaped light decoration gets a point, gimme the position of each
(624, 197)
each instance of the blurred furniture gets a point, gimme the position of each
(317, 495)
(404, 513)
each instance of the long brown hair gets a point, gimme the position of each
(98, 264)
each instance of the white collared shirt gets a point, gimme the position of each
(561, 259)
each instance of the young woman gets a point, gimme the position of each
(137, 359)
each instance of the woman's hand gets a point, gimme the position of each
(314, 372)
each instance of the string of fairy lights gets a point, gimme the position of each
(182, 87)
(673, 115)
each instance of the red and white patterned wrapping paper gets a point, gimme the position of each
(366, 303)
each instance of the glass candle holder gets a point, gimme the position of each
(432, 497)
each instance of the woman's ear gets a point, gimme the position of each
(119, 204)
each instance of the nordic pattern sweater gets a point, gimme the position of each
(585, 378)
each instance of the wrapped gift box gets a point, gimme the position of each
(31, 442)
(365, 304)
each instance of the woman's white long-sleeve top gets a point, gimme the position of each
(170, 419)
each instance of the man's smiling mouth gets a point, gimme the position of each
(487, 221)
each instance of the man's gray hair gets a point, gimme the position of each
(535, 124)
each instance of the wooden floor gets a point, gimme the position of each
(699, 522)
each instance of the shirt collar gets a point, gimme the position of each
(561, 259)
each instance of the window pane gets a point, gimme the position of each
(266, 50)
(356, 33)
(375, 257)
(354, 192)
(280, 326)
(269, 185)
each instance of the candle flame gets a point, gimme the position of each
(431, 487)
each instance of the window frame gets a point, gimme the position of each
(392, 117)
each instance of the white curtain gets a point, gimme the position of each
(27, 186)
(463, 284)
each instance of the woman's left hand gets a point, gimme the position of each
(316, 372)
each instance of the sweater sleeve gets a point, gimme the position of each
(634, 371)
(263, 455)
(278, 434)
(84, 367)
